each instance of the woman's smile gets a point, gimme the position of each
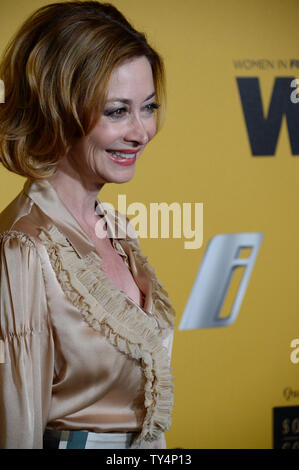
(123, 156)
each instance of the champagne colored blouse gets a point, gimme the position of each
(76, 353)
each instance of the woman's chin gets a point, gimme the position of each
(122, 176)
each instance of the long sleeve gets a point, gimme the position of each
(26, 373)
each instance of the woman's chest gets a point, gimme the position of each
(118, 272)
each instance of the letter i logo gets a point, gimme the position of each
(223, 257)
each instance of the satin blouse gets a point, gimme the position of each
(76, 353)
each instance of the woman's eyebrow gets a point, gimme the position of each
(124, 100)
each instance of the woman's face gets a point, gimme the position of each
(110, 151)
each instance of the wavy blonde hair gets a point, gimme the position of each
(56, 71)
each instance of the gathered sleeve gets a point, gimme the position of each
(27, 359)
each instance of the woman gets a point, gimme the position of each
(86, 328)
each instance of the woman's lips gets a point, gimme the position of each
(120, 160)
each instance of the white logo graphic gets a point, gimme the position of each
(222, 258)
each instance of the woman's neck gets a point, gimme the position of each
(77, 196)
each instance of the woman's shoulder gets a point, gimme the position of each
(20, 222)
(23, 308)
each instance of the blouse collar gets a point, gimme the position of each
(43, 194)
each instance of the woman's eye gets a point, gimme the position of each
(151, 108)
(115, 113)
(118, 113)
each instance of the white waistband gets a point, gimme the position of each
(110, 436)
(97, 440)
(90, 440)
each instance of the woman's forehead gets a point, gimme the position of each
(131, 78)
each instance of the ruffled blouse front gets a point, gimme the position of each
(77, 353)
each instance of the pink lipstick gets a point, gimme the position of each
(123, 157)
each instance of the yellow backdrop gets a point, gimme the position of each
(227, 380)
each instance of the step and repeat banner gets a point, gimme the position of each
(219, 189)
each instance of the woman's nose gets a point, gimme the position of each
(137, 131)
